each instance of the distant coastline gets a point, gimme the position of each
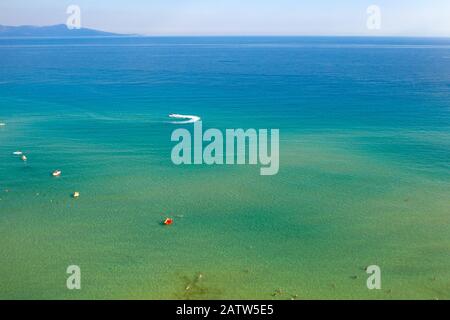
(54, 31)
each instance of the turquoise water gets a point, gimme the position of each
(364, 168)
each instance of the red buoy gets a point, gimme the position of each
(168, 221)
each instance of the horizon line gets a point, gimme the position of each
(229, 36)
(119, 34)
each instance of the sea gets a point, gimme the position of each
(364, 159)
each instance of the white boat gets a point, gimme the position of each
(56, 173)
(187, 118)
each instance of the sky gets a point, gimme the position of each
(238, 17)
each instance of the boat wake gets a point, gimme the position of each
(188, 118)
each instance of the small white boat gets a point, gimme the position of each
(24, 158)
(187, 118)
(56, 173)
(17, 153)
(2, 124)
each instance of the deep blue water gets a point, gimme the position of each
(298, 84)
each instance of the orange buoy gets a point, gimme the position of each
(168, 221)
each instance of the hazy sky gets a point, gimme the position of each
(234, 17)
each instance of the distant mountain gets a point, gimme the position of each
(59, 30)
